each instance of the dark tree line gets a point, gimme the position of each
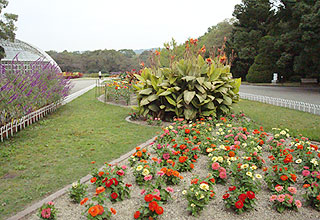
(280, 36)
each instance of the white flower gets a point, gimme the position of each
(249, 174)
(204, 186)
(298, 161)
(210, 129)
(201, 196)
(214, 159)
(197, 193)
(283, 132)
(190, 125)
(243, 166)
(229, 125)
(74, 185)
(145, 172)
(220, 129)
(229, 163)
(244, 144)
(220, 159)
(139, 168)
(184, 192)
(217, 133)
(258, 176)
(229, 131)
(253, 167)
(209, 150)
(222, 133)
(192, 205)
(276, 135)
(222, 147)
(171, 127)
(288, 135)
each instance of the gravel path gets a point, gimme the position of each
(302, 94)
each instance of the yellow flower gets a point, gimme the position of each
(145, 172)
(214, 159)
(139, 168)
(258, 176)
(220, 159)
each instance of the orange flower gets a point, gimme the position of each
(144, 150)
(137, 148)
(159, 210)
(187, 131)
(93, 211)
(212, 180)
(93, 179)
(113, 211)
(306, 185)
(194, 181)
(99, 190)
(293, 177)
(283, 177)
(93, 162)
(139, 154)
(191, 165)
(231, 154)
(83, 201)
(157, 53)
(101, 209)
(100, 173)
(182, 159)
(318, 197)
(175, 173)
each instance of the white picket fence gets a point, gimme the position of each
(16, 125)
(301, 106)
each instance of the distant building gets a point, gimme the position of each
(27, 54)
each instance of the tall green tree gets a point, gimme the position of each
(253, 21)
(7, 27)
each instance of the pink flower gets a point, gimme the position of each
(223, 175)
(298, 203)
(50, 203)
(273, 197)
(282, 140)
(124, 167)
(255, 153)
(314, 173)
(222, 170)
(290, 198)
(237, 143)
(281, 198)
(278, 188)
(148, 177)
(120, 172)
(143, 191)
(157, 192)
(306, 168)
(160, 173)
(215, 166)
(169, 189)
(232, 115)
(293, 190)
(46, 213)
(306, 173)
(166, 156)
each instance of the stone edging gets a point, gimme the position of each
(64, 190)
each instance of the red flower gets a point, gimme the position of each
(148, 198)
(128, 185)
(93, 180)
(231, 188)
(159, 210)
(225, 196)
(157, 197)
(114, 195)
(293, 177)
(187, 131)
(153, 206)
(109, 183)
(251, 195)
(136, 214)
(115, 181)
(242, 197)
(239, 204)
(283, 177)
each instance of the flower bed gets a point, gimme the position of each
(209, 169)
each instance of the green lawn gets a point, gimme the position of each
(57, 150)
(270, 116)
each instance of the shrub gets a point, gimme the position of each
(191, 87)
(260, 71)
(78, 191)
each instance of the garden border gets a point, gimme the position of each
(64, 190)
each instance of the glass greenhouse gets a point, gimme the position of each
(25, 53)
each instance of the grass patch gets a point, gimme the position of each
(57, 150)
(271, 116)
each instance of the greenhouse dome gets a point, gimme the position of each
(26, 53)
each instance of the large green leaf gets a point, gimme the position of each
(190, 113)
(200, 80)
(188, 96)
(140, 78)
(144, 101)
(153, 107)
(227, 100)
(171, 101)
(188, 78)
(165, 93)
(152, 97)
(200, 97)
(237, 85)
(200, 88)
(147, 91)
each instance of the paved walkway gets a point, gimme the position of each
(79, 84)
(302, 94)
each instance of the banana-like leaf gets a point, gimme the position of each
(189, 113)
(237, 85)
(227, 100)
(200, 80)
(200, 88)
(171, 101)
(147, 91)
(140, 78)
(153, 107)
(188, 96)
(188, 78)
(165, 93)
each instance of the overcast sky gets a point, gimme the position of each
(78, 25)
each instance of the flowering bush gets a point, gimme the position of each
(143, 172)
(117, 91)
(198, 195)
(47, 211)
(151, 209)
(78, 191)
(28, 88)
(139, 155)
(312, 195)
(284, 199)
(239, 199)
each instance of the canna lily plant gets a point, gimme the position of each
(191, 87)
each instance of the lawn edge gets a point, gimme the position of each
(64, 190)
